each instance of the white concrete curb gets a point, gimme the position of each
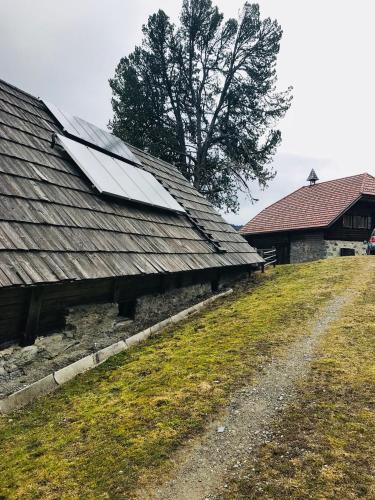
(51, 382)
(68, 372)
(28, 394)
(109, 351)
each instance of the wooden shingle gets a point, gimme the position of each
(54, 225)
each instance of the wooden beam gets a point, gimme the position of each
(116, 290)
(32, 321)
(215, 281)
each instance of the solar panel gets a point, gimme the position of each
(115, 177)
(77, 127)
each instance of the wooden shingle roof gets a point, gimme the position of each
(315, 206)
(54, 226)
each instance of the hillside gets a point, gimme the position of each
(307, 330)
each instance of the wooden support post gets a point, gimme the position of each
(179, 280)
(116, 291)
(32, 320)
(215, 283)
(167, 283)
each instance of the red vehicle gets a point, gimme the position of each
(371, 244)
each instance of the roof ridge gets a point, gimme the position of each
(366, 176)
(341, 178)
(19, 90)
(363, 183)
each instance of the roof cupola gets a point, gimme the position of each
(312, 178)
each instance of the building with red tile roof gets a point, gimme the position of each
(319, 220)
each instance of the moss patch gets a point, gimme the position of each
(97, 435)
(323, 446)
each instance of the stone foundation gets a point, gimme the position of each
(307, 247)
(152, 308)
(313, 246)
(332, 247)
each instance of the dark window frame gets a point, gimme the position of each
(357, 221)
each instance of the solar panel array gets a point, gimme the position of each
(115, 177)
(77, 127)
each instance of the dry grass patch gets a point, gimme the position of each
(96, 436)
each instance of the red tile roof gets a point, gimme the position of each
(312, 206)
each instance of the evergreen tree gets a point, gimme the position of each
(202, 96)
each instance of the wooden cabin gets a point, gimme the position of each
(65, 240)
(325, 219)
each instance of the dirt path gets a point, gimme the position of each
(202, 469)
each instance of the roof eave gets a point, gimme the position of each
(345, 210)
(285, 230)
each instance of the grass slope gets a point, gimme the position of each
(324, 445)
(96, 437)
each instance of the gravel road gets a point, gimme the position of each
(202, 469)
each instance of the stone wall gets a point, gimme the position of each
(153, 308)
(228, 277)
(307, 247)
(332, 247)
(313, 246)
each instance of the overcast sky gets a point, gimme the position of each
(65, 51)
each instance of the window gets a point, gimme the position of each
(357, 221)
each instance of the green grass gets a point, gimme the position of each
(324, 445)
(99, 434)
